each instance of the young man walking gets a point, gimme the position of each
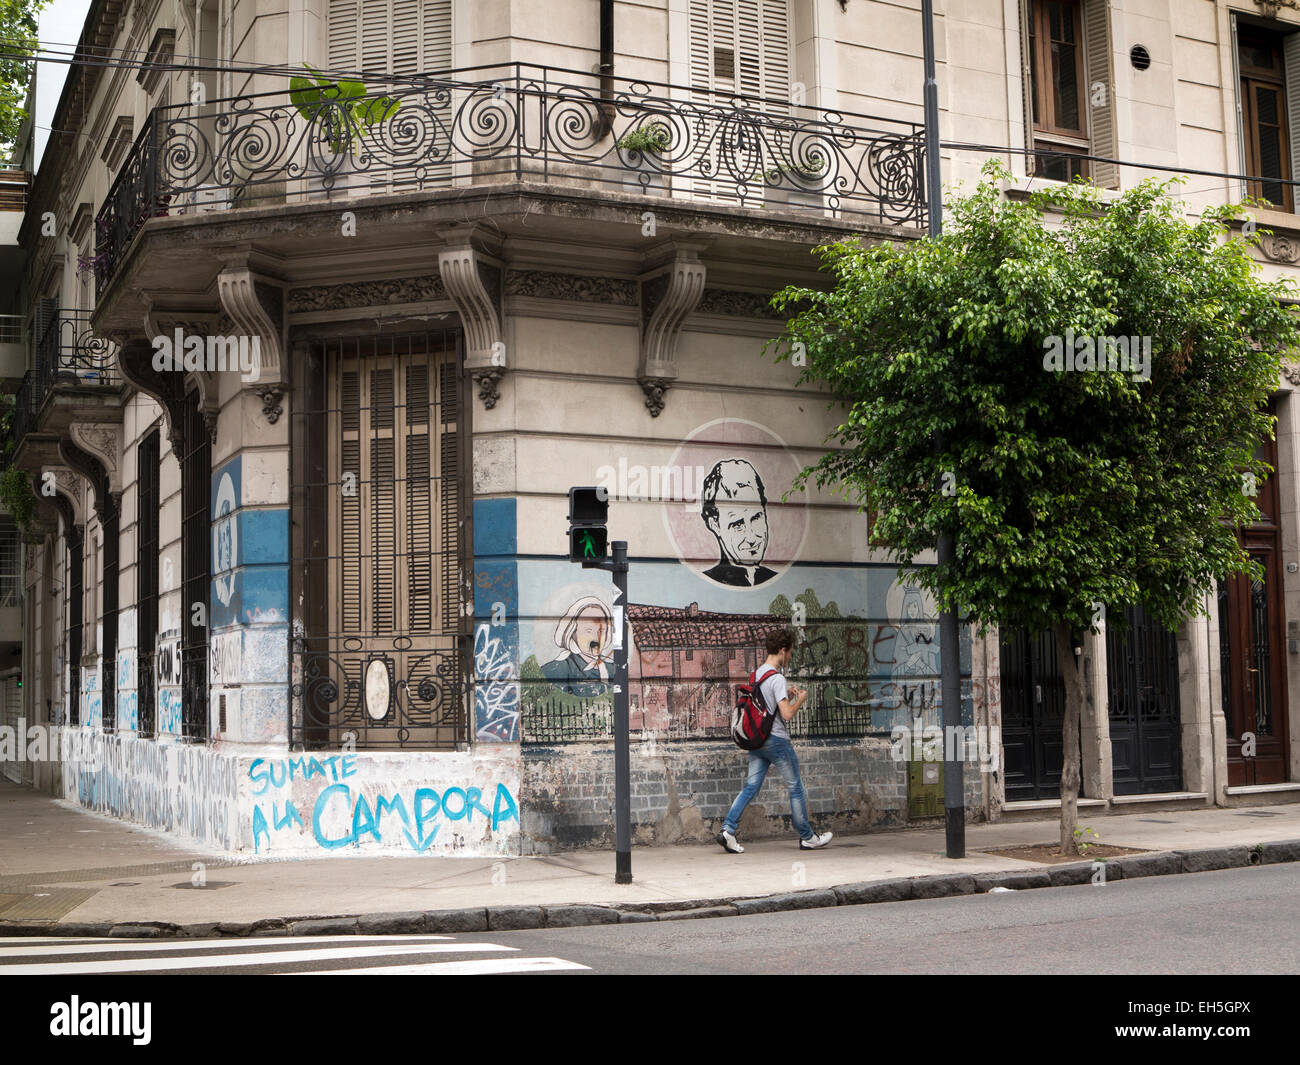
(778, 750)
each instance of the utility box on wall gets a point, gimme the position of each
(924, 789)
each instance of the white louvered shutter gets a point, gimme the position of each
(381, 37)
(741, 47)
(1101, 119)
(401, 39)
(1291, 64)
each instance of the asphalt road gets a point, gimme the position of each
(1233, 921)
(1236, 921)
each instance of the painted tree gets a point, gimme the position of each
(18, 30)
(1070, 492)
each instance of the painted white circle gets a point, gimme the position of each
(748, 462)
(225, 540)
(377, 689)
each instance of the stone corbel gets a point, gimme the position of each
(67, 493)
(104, 444)
(256, 309)
(668, 296)
(135, 360)
(94, 471)
(473, 282)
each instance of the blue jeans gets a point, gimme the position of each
(777, 751)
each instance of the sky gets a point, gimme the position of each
(58, 24)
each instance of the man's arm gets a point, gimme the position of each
(790, 707)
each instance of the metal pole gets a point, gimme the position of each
(954, 802)
(622, 742)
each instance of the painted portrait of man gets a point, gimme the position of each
(585, 637)
(735, 512)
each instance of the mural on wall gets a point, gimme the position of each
(585, 639)
(739, 533)
(867, 640)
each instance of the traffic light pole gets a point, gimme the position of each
(618, 566)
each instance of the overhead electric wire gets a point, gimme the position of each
(104, 58)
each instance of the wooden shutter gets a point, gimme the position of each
(1101, 119)
(1291, 71)
(390, 36)
(1236, 95)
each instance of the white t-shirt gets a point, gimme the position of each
(774, 689)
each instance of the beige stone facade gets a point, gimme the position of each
(344, 615)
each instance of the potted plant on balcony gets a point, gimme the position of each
(638, 149)
(339, 115)
(788, 185)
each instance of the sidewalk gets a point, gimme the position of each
(61, 864)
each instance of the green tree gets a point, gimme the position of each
(1068, 493)
(17, 46)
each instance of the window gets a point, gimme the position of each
(146, 576)
(1264, 114)
(1057, 70)
(11, 577)
(1069, 89)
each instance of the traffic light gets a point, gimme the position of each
(588, 513)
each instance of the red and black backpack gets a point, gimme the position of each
(752, 721)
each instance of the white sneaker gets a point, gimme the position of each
(728, 843)
(815, 842)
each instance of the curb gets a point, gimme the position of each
(574, 915)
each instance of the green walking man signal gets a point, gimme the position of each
(588, 513)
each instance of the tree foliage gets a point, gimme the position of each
(1068, 488)
(17, 46)
(1062, 490)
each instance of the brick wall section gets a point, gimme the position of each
(681, 792)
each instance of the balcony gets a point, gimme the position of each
(73, 377)
(492, 125)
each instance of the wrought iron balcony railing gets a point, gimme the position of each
(516, 122)
(68, 353)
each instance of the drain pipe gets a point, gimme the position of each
(605, 118)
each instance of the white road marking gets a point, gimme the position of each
(219, 961)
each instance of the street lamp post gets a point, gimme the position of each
(954, 802)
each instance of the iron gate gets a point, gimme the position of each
(1145, 732)
(381, 650)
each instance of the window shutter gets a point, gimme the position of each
(1236, 95)
(1026, 85)
(1096, 39)
(1291, 61)
(741, 46)
(344, 17)
(398, 36)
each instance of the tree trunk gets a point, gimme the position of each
(1071, 771)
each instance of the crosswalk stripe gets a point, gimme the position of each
(217, 961)
(477, 967)
(139, 946)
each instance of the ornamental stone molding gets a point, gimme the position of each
(1280, 247)
(167, 388)
(93, 470)
(256, 309)
(668, 296)
(67, 484)
(394, 290)
(473, 283)
(578, 288)
(736, 304)
(1292, 373)
(104, 444)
